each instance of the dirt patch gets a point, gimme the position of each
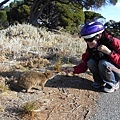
(64, 97)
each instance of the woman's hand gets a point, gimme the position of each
(104, 49)
(68, 70)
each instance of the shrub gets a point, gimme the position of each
(3, 16)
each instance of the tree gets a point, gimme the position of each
(3, 16)
(39, 6)
(19, 13)
(113, 28)
(52, 13)
(70, 16)
(3, 2)
(89, 15)
(54, 16)
(3, 19)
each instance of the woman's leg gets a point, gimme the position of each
(116, 72)
(108, 76)
(93, 67)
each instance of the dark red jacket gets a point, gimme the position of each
(113, 57)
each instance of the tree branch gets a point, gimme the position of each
(2, 3)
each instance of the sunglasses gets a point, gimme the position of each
(90, 39)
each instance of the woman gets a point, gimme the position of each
(101, 56)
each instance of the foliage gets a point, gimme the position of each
(70, 16)
(87, 4)
(28, 107)
(12, 5)
(89, 15)
(3, 16)
(113, 28)
(20, 13)
(39, 6)
(54, 14)
(58, 64)
(3, 88)
(24, 11)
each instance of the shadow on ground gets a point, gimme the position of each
(71, 82)
(60, 81)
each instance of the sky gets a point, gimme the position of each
(9, 2)
(110, 12)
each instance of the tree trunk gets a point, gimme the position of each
(35, 13)
(2, 3)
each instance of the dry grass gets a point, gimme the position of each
(19, 39)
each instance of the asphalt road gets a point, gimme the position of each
(108, 107)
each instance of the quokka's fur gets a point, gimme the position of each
(34, 79)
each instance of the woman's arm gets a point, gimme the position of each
(82, 67)
(115, 55)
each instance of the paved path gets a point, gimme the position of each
(108, 107)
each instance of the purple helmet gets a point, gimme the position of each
(91, 29)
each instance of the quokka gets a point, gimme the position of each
(33, 79)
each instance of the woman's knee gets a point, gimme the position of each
(103, 64)
(91, 63)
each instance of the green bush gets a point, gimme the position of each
(3, 16)
(71, 16)
(89, 15)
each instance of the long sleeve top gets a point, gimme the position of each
(112, 43)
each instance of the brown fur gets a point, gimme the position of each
(31, 79)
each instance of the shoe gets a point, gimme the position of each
(109, 89)
(97, 85)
